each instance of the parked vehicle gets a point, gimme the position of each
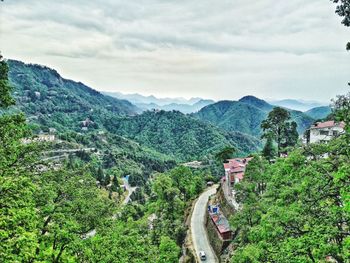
(202, 255)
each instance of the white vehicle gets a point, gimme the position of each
(202, 255)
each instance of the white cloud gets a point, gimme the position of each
(218, 49)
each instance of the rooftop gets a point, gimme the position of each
(221, 223)
(327, 124)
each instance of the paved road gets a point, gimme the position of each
(130, 190)
(198, 230)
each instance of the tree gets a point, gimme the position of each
(69, 206)
(18, 216)
(115, 184)
(225, 153)
(279, 129)
(269, 151)
(343, 10)
(341, 109)
(5, 89)
(168, 250)
(100, 175)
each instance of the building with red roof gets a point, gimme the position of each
(222, 225)
(324, 131)
(235, 168)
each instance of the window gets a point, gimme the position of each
(324, 133)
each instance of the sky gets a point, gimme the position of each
(218, 49)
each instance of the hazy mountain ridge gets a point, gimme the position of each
(300, 105)
(167, 104)
(51, 101)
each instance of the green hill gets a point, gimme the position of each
(245, 115)
(52, 101)
(319, 112)
(178, 135)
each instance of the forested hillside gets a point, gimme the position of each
(180, 136)
(319, 112)
(246, 115)
(52, 101)
(58, 207)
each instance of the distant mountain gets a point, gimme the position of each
(52, 101)
(184, 108)
(179, 135)
(319, 112)
(141, 99)
(167, 104)
(256, 102)
(300, 105)
(245, 115)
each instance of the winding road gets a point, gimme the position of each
(198, 230)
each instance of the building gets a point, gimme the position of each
(324, 131)
(222, 225)
(234, 169)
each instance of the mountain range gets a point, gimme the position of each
(300, 105)
(51, 101)
(151, 102)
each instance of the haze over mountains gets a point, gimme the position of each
(195, 104)
(301, 105)
(54, 102)
(152, 102)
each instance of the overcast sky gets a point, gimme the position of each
(220, 49)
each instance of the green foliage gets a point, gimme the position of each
(55, 102)
(225, 154)
(296, 209)
(319, 113)
(269, 151)
(178, 135)
(246, 115)
(18, 217)
(277, 127)
(341, 107)
(169, 251)
(5, 88)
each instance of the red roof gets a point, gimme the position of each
(239, 176)
(227, 165)
(328, 124)
(237, 169)
(221, 223)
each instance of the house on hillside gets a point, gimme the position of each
(222, 225)
(321, 132)
(234, 169)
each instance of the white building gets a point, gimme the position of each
(324, 131)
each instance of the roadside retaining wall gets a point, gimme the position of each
(216, 242)
(227, 209)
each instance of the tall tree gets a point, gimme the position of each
(269, 151)
(279, 128)
(5, 89)
(225, 153)
(18, 217)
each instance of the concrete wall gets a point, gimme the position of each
(316, 136)
(225, 207)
